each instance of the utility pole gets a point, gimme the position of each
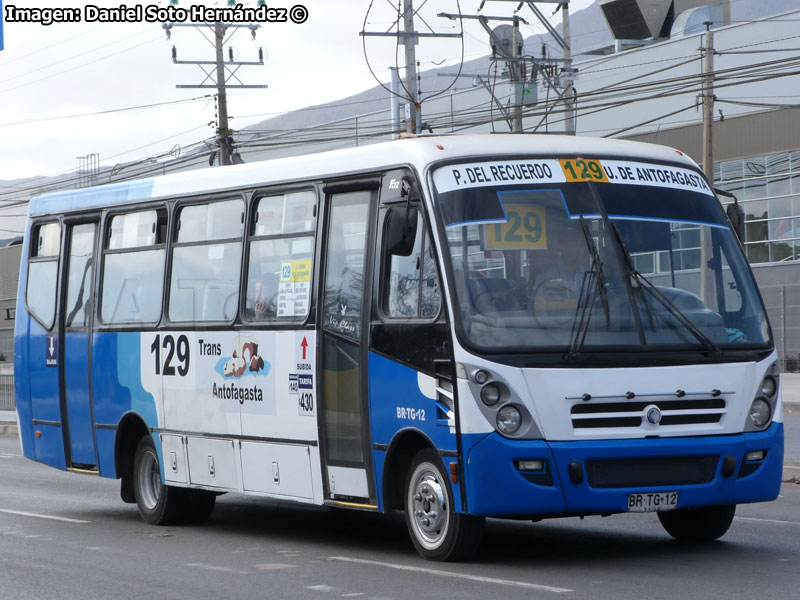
(223, 132)
(513, 57)
(395, 89)
(515, 69)
(413, 123)
(706, 282)
(410, 38)
(568, 73)
(218, 75)
(708, 105)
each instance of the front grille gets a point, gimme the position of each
(632, 414)
(651, 472)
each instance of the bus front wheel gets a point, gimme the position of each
(158, 504)
(701, 524)
(437, 530)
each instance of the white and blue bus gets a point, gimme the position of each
(457, 327)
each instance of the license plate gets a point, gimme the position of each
(652, 501)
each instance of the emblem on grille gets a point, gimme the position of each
(653, 414)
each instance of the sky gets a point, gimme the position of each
(49, 74)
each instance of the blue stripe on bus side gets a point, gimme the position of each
(35, 384)
(22, 387)
(117, 193)
(117, 390)
(398, 405)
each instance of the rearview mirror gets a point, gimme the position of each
(734, 213)
(401, 230)
(736, 218)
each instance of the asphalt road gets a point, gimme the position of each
(69, 536)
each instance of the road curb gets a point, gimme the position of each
(791, 472)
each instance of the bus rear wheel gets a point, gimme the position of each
(701, 524)
(158, 504)
(437, 530)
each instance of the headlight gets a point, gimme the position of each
(760, 412)
(490, 394)
(768, 386)
(509, 420)
(480, 376)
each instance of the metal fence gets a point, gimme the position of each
(783, 307)
(7, 393)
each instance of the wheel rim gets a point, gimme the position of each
(427, 506)
(149, 480)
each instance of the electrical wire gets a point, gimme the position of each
(739, 75)
(106, 57)
(50, 65)
(469, 119)
(105, 112)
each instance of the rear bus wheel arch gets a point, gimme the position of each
(130, 431)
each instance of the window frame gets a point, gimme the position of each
(385, 261)
(90, 316)
(104, 251)
(35, 226)
(172, 243)
(313, 233)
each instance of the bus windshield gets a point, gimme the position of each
(631, 256)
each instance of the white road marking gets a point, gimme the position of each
(509, 582)
(22, 534)
(38, 516)
(217, 568)
(274, 566)
(775, 521)
(321, 588)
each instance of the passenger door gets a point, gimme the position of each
(76, 322)
(345, 424)
(41, 354)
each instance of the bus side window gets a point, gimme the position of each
(206, 261)
(281, 257)
(133, 268)
(43, 272)
(412, 290)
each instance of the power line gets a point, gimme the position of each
(48, 47)
(106, 57)
(104, 112)
(69, 58)
(658, 89)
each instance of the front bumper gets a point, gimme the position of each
(700, 469)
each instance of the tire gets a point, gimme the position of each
(702, 524)
(437, 530)
(158, 504)
(200, 506)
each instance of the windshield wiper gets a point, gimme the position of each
(593, 279)
(644, 283)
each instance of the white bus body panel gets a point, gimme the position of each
(212, 463)
(277, 470)
(241, 415)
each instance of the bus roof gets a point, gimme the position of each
(420, 152)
